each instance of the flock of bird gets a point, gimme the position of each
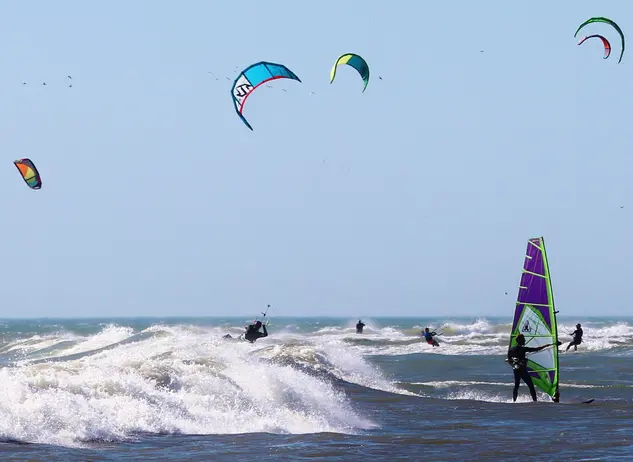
(70, 83)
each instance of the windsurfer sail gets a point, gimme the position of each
(535, 318)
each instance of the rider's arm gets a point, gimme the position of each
(541, 347)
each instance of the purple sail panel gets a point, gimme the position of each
(517, 316)
(536, 292)
(533, 287)
(536, 264)
(518, 312)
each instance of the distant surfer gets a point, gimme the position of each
(428, 336)
(576, 338)
(359, 327)
(517, 359)
(252, 332)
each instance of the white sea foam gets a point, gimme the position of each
(180, 382)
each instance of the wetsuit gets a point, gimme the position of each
(518, 361)
(252, 333)
(359, 327)
(576, 340)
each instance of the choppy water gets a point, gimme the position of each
(172, 389)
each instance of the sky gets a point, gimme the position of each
(415, 198)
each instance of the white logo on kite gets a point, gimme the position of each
(242, 90)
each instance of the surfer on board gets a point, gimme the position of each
(359, 327)
(428, 336)
(577, 338)
(518, 361)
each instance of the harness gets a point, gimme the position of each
(517, 363)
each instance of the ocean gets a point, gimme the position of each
(172, 389)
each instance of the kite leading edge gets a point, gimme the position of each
(251, 78)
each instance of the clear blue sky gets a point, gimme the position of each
(157, 200)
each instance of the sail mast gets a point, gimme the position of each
(550, 294)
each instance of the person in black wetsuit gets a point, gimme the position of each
(359, 327)
(577, 338)
(252, 332)
(518, 361)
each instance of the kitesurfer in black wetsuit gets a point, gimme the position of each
(253, 333)
(359, 327)
(518, 361)
(577, 338)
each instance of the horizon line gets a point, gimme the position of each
(2, 318)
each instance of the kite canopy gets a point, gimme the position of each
(605, 42)
(606, 21)
(254, 76)
(29, 173)
(354, 61)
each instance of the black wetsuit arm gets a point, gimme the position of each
(538, 348)
(265, 333)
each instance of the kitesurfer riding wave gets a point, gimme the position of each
(252, 332)
(577, 338)
(428, 336)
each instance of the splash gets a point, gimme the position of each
(173, 381)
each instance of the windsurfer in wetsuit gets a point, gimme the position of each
(428, 336)
(577, 338)
(252, 332)
(518, 361)
(359, 327)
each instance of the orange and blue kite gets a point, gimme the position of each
(29, 173)
(252, 77)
